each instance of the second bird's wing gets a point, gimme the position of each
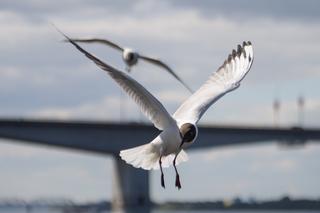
(148, 104)
(224, 80)
(98, 40)
(163, 65)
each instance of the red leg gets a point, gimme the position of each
(178, 184)
(162, 175)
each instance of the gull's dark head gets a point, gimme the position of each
(130, 57)
(188, 132)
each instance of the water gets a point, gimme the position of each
(23, 210)
(45, 210)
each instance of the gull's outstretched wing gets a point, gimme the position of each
(163, 65)
(224, 80)
(148, 104)
(97, 40)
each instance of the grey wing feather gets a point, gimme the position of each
(160, 63)
(224, 80)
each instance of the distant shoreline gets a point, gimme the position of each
(284, 203)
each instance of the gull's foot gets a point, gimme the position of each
(178, 184)
(162, 181)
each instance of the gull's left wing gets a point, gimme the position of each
(224, 80)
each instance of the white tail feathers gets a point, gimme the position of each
(147, 157)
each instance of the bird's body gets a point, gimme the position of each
(131, 57)
(179, 130)
(166, 144)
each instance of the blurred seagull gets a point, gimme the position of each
(180, 130)
(130, 57)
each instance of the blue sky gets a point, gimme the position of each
(42, 77)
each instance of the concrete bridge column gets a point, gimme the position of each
(130, 193)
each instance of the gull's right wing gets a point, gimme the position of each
(224, 80)
(165, 66)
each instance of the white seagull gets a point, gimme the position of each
(179, 130)
(130, 57)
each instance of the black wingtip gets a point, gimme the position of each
(67, 39)
(59, 31)
(246, 43)
(234, 53)
(239, 50)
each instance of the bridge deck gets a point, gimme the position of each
(110, 138)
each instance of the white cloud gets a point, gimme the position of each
(286, 164)
(105, 109)
(10, 73)
(173, 96)
(110, 108)
(11, 150)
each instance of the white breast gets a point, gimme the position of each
(168, 141)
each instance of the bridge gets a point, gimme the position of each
(130, 185)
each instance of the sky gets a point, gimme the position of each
(44, 78)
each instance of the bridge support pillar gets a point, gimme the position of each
(130, 189)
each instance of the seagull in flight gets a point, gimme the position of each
(179, 130)
(130, 57)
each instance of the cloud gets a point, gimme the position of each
(11, 151)
(36, 10)
(244, 9)
(247, 9)
(46, 80)
(62, 173)
(108, 108)
(10, 73)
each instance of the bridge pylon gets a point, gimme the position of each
(130, 188)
